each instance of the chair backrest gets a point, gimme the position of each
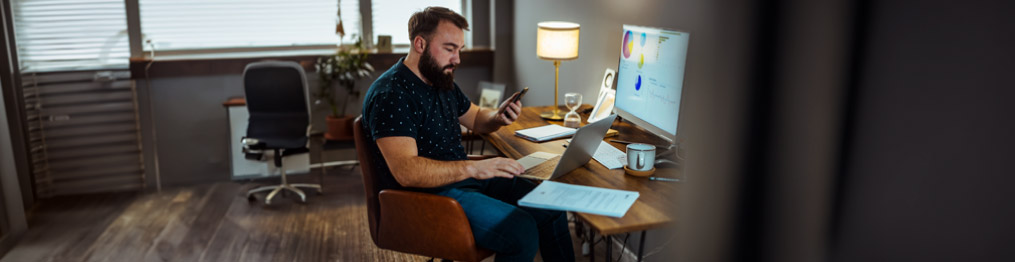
(456, 241)
(276, 94)
(365, 148)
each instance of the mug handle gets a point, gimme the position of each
(641, 161)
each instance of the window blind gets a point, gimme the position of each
(54, 35)
(391, 17)
(211, 24)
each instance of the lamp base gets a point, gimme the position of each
(552, 115)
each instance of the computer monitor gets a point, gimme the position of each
(650, 78)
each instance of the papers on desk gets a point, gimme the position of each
(585, 199)
(545, 133)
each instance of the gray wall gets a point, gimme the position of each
(599, 44)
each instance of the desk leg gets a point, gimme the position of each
(592, 245)
(641, 245)
(609, 248)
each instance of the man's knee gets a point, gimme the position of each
(546, 218)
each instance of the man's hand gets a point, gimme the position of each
(495, 167)
(508, 112)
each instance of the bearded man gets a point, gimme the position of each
(413, 112)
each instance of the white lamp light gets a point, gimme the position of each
(556, 41)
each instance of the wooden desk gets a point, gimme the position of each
(656, 197)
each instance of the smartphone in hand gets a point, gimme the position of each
(514, 98)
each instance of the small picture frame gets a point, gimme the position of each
(490, 94)
(604, 105)
(609, 78)
(384, 44)
(607, 97)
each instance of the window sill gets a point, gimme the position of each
(233, 62)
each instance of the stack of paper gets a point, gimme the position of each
(545, 133)
(585, 199)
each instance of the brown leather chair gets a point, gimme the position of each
(413, 222)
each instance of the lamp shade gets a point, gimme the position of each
(557, 40)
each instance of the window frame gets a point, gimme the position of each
(137, 45)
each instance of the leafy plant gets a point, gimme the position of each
(345, 67)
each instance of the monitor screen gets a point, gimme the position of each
(650, 78)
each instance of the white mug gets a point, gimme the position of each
(641, 157)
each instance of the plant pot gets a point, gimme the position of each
(339, 128)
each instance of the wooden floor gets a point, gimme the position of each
(209, 223)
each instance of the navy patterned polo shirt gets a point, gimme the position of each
(400, 104)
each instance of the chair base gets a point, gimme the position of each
(275, 189)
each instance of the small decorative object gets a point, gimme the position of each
(572, 101)
(608, 78)
(556, 41)
(489, 98)
(384, 44)
(491, 94)
(345, 67)
(607, 97)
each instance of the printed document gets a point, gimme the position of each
(585, 199)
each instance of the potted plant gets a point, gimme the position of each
(345, 67)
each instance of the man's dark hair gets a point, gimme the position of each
(424, 23)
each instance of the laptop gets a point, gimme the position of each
(585, 142)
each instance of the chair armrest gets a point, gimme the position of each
(425, 224)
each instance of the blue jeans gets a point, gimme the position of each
(514, 233)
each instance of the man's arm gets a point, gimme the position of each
(412, 170)
(486, 120)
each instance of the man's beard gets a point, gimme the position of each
(435, 72)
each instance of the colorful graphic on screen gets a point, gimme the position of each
(650, 76)
(628, 44)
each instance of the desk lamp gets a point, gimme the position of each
(556, 41)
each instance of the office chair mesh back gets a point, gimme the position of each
(277, 102)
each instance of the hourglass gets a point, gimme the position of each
(572, 101)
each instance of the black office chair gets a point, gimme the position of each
(276, 94)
